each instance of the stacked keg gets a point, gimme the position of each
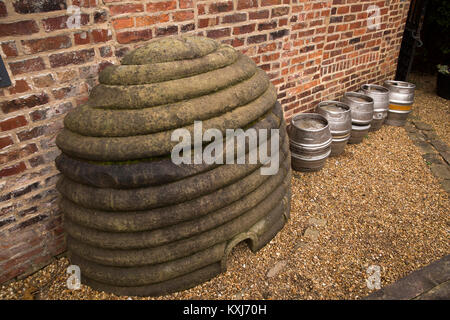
(340, 121)
(136, 222)
(380, 96)
(401, 99)
(309, 141)
(361, 107)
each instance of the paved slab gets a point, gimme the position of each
(430, 282)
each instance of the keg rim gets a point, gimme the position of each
(308, 147)
(382, 90)
(310, 115)
(400, 84)
(400, 111)
(339, 139)
(338, 103)
(349, 94)
(360, 128)
(310, 159)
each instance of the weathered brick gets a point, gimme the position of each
(349, 17)
(270, 2)
(36, 161)
(81, 38)
(257, 39)
(218, 7)
(267, 47)
(28, 211)
(101, 35)
(105, 51)
(246, 4)
(279, 34)
(218, 33)
(342, 10)
(43, 81)
(280, 11)
(201, 8)
(355, 25)
(13, 123)
(100, 16)
(150, 20)
(66, 75)
(74, 57)
(28, 223)
(19, 28)
(22, 191)
(187, 27)
(21, 103)
(31, 134)
(341, 27)
(264, 14)
(6, 221)
(46, 44)
(9, 49)
(237, 42)
(126, 8)
(19, 87)
(183, 15)
(133, 36)
(58, 23)
(12, 170)
(336, 19)
(26, 6)
(271, 57)
(356, 8)
(244, 29)
(5, 141)
(86, 3)
(166, 31)
(267, 25)
(119, 53)
(354, 40)
(208, 22)
(122, 23)
(18, 154)
(233, 18)
(185, 4)
(3, 10)
(63, 93)
(40, 114)
(161, 6)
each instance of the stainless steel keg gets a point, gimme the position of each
(361, 107)
(310, 141)
(358, 133)
(340, 122)
(401, 99)
(380, 96)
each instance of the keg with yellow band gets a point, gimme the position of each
(399, 107)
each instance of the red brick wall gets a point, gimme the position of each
(312, 50)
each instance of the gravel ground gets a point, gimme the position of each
(377, 204)
(429, 107)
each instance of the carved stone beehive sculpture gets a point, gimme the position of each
(138, 224)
